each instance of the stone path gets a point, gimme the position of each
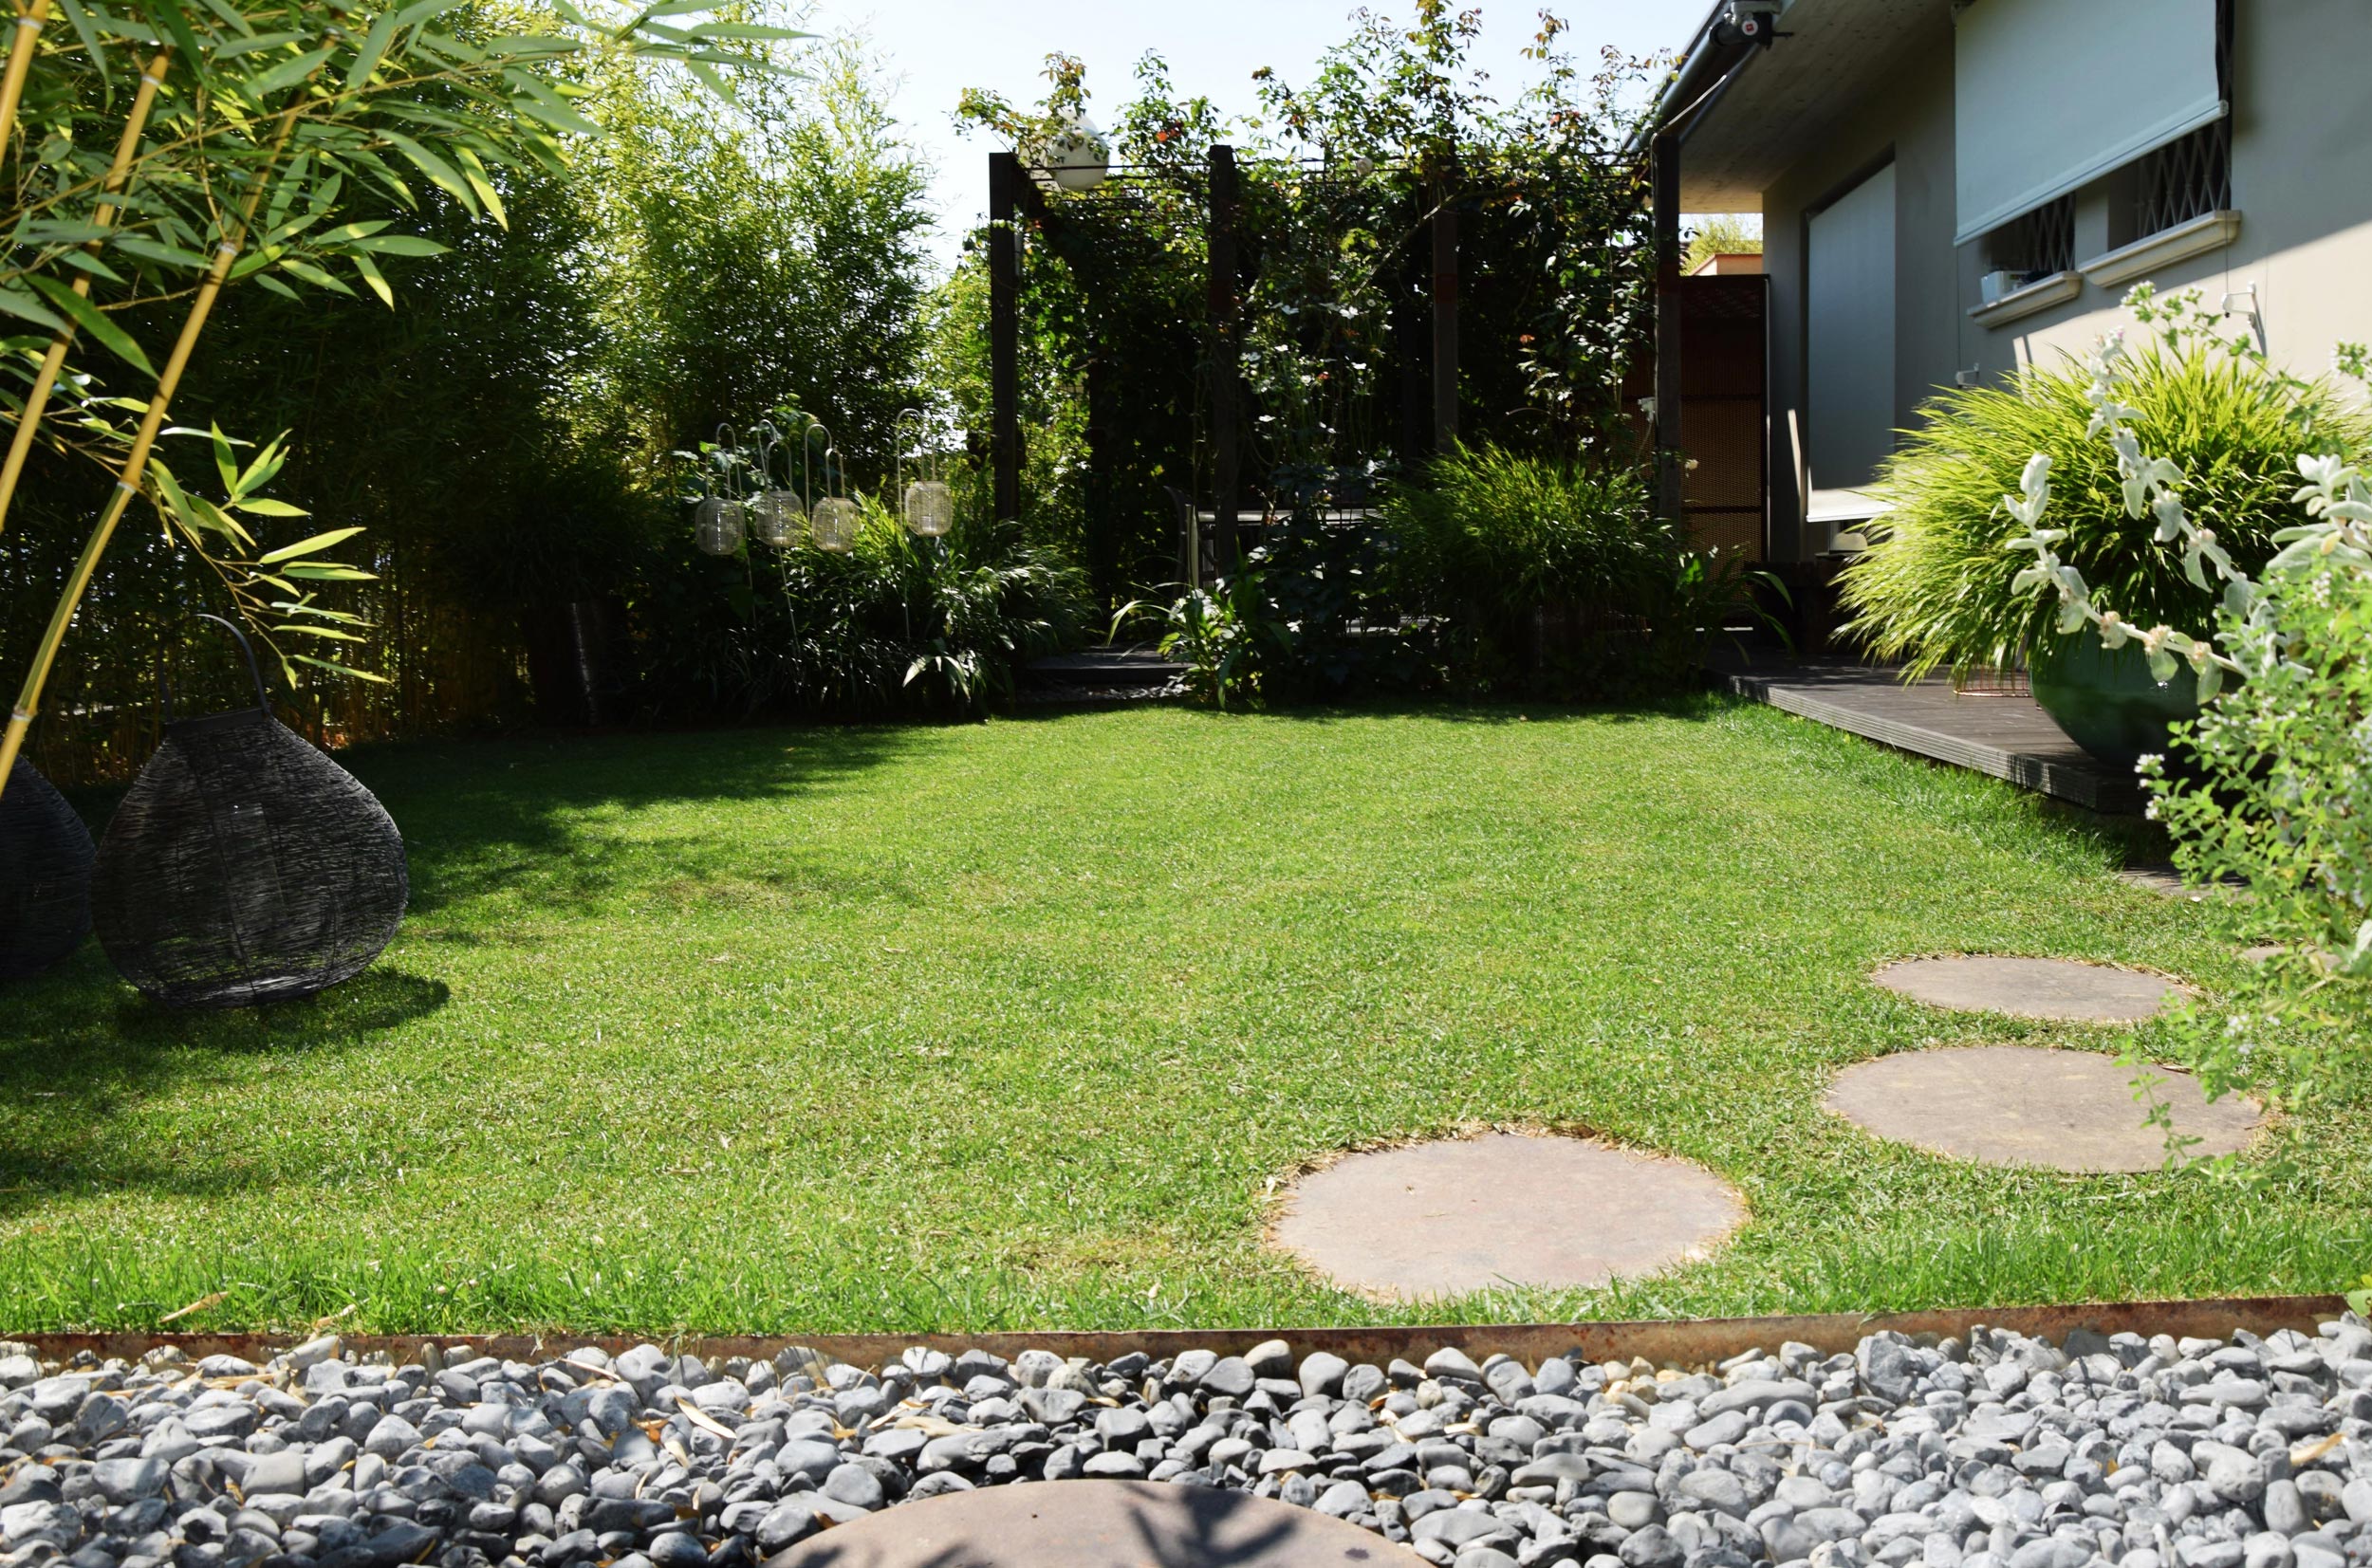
(2021, 1106)
(2031, 987)
(1098, 1524)
(1444, 1218)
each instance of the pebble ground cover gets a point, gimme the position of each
(1020, 1024)
(1993, 1452)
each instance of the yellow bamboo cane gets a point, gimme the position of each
(37, 400)
(135, 461)
(29, 24)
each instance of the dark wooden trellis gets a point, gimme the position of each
(1012, 198)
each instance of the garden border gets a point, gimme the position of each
(1690, 1342)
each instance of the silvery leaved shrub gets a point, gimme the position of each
(2273, 785)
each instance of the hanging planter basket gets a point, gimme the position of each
(46, 859)
(245, 866)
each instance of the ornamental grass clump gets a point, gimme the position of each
(1504, 534)
(1938, 588)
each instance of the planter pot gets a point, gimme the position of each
(2106, 700)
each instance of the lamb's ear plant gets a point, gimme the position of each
(1936, 587)
(233, 160)
(2278, 793)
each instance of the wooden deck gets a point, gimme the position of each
(2006, 736)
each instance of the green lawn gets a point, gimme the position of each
(1016, 1024)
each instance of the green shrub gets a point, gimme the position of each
(897, 624)
(1491, 533)
(2276, 794)
(1935, 586)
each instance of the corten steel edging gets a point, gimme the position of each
(1689, 1341)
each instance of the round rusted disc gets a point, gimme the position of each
(1097, 1524)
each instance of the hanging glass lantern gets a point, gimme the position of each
(778, 518)
(1077, 155)
(930, 508)
(717, 522)
(833, 525)
(776, 514)
(718, 525)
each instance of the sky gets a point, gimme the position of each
(933, 49)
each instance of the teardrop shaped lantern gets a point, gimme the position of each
(1077, 155)
(46, 857)
(244, 866)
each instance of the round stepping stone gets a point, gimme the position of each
(1097, 1524)
(1464, 1215)
(2026, 1105)
(2031, 987)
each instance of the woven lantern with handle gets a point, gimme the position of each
(244, 866)
(46, 859)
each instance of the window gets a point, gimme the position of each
(2188, 178)
(2035, 244)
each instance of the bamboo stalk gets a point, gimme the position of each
(37, 399)
(29, 24)
(135, 461)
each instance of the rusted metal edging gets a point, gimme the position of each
(1691, 1341)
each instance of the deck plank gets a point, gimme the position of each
(2006, 736)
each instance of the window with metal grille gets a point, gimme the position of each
(2186, 178)
(2036, 244)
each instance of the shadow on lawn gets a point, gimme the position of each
(509, 815)
(79, 1045)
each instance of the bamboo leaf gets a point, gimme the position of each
(327, 571)
(474, 171)
(286, 74)
(341, 669)
(177, 27)
(447, 178)
(373, 279)
(374, 48)
(264, 506)
(399, 244)
(756, 33)
(559, 118)
(318, 542)
(18, 302)
(80, 18)
(95, 321)
(314, 275)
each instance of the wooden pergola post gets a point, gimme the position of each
(1664, 193)
(1226, 348)
(1444, 227)
(1004, 333)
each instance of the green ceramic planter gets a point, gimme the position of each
(2107, 701)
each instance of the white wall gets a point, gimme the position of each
(2302, 180)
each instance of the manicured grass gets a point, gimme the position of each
(1015, 1024)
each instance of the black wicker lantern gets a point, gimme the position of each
(245, 866)
(45, 875)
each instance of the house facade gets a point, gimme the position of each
(1951, 189)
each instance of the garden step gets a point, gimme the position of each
(1104, 666)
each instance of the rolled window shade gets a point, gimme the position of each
(2048, 95)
